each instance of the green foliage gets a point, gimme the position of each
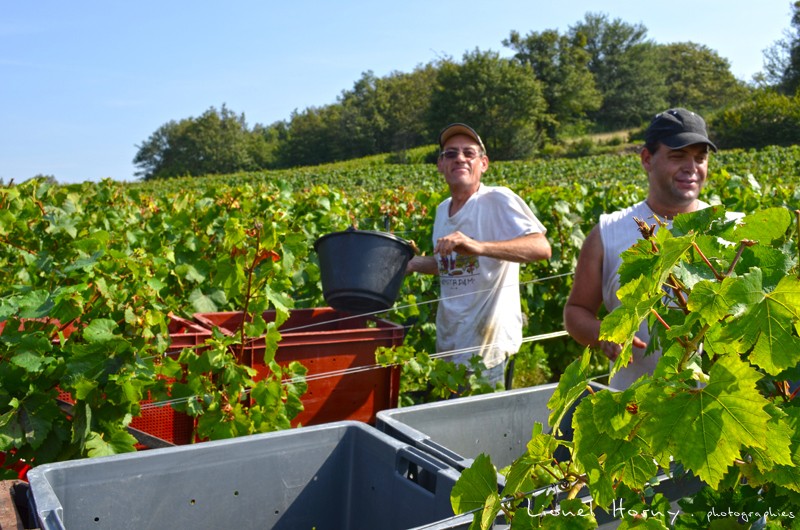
(769, 118)
(90, 272)
(718, 405)
(698, 78)
(561, 64)
(782, 59)
(216, 142)
(426, 379)
(499, 97)
(626, 70)
(601, 74)
(90, 275)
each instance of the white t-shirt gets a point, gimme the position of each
(479, 311)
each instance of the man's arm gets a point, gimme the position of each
(423, 264)
(523, 249)
(586, 297)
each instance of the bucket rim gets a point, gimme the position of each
(376, 233)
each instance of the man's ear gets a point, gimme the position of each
(440, 165)
(646, 156)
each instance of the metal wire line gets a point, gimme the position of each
(349, 371)
(358, 369)
(395, 308)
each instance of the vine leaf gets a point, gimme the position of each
(539, 453)
(100, 330)
(641, 261)
(604, 457)
(617, 421)
(119, 442)
(207, 303)
(706, 429)
(638, 297)
(642, 274)
(476, 489)
(712, 301)
(765, 225)
(767, 326)
(570, 387)
(763, 468)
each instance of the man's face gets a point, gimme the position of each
(676, 176)
(463, 162)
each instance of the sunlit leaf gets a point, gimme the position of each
(474, 486)
(706, 429)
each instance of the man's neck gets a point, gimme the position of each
(669, 213)
(459, 197)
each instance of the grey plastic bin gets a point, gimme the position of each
(500, 424)
(333, 476)
(456, 431)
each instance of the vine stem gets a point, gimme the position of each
(667, 326)
(717, 275)
(744, 243)
(248, 292)
(9, 243)
(677, 288)
(576, 488)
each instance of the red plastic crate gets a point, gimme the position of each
(327, 341)
(20, 467)
(164, 422)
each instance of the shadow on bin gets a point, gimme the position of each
(338, 475)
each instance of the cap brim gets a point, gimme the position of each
(456, 129)
(682, 140)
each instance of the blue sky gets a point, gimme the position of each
(83, 83)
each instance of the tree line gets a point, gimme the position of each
(601, 74)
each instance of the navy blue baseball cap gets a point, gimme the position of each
(677, 128)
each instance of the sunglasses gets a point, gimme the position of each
(452, 154)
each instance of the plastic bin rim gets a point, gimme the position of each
(37, 473)
(481, 397)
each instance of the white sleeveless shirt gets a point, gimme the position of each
(619, 232)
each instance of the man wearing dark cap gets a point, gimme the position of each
(675, 157)
(481, 234)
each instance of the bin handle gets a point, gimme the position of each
(418, 467)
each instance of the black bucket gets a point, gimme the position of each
(362, 270)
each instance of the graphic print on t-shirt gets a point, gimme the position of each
(456, 269)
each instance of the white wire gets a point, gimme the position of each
(359, 369)
(395, 308)
(348, 371)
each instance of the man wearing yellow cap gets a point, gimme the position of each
(481, 234)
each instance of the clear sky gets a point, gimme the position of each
(83, 83)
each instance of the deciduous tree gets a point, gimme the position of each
(499, 97)
(561, 64)
(698, 78)
(782, 59)
(216, 142)
(626, 70)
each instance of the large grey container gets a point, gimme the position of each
(456, 431)
(342, 475)
(500, 425)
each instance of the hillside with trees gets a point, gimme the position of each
(599, 75)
